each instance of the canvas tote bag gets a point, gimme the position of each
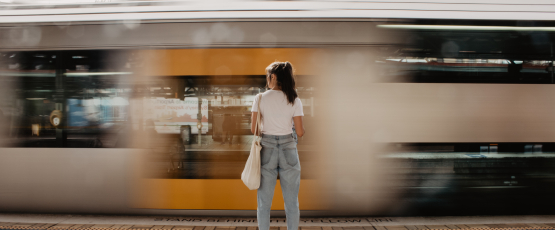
(251, 173)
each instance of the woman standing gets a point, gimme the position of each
(280, 109)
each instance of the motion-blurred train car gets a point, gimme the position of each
(143, 107)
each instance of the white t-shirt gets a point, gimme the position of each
(277, 114)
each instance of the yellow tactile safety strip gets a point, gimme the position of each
(37, 226)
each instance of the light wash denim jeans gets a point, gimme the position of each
(279, 155)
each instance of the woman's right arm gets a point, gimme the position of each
(299, 127)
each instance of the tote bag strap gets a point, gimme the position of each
(256, 137)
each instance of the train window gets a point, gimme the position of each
(206, 133)
(58, 99)
(470, 52)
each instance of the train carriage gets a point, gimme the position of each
(413, 108)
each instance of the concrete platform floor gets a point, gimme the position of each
(91, 222)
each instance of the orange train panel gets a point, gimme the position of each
(217, 194)
(247, 61)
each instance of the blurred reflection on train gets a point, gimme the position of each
(84, 88)
(403, 116)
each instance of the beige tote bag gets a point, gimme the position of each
(251, 173)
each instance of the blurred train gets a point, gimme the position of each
(411, 108)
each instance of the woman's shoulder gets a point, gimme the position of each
(272, 93)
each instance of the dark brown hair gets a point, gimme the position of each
(285, 79)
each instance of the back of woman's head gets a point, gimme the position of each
(285, 79)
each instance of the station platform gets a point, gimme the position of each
(94, 222)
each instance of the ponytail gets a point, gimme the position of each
(285, 79)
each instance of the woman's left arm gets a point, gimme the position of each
(299, 127)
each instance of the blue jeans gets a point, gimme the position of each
(279, 155)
